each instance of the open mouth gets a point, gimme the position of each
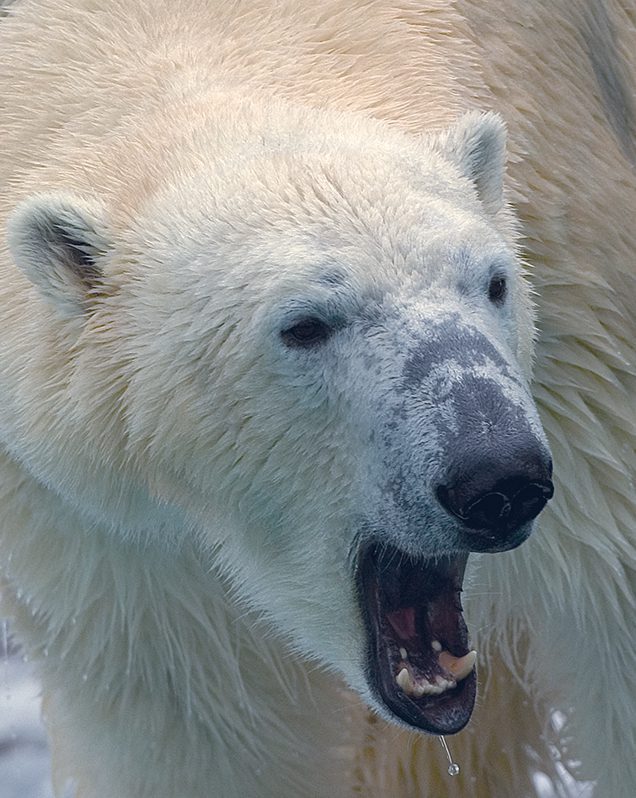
(419, 663)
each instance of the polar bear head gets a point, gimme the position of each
(308, 346)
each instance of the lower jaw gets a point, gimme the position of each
(446, 714)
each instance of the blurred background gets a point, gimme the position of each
(24, 756)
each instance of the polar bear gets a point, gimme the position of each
(267, 341)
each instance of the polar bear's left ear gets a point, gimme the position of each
(58, 243)
(477, 144)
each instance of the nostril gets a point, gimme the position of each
(508, 504)
(488, 511)
(530, 500)
(447, 498)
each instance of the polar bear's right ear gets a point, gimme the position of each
(57, 242)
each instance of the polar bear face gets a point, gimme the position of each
(319, 354)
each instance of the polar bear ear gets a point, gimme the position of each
(55, 240)
(477, 144)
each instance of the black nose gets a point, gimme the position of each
(493, 500)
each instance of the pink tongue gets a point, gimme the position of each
(403, 622)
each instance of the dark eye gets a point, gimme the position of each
(497, 290)
(306, 333)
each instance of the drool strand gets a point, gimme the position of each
(453, 767)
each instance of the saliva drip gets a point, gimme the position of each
(453, 767)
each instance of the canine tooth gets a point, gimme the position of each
(436, 646)
(404, 653)
(404, 680)
(459, 667)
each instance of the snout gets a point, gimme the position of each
(489, 465)
(495, 495)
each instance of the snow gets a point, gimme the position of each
(24, 756)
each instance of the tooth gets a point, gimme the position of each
(420, 687)
(404, 653)
(436, 645)
(425, 688)
(459, 667)
(404, 681)
(415, 688)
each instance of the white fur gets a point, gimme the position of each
(178, 489)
